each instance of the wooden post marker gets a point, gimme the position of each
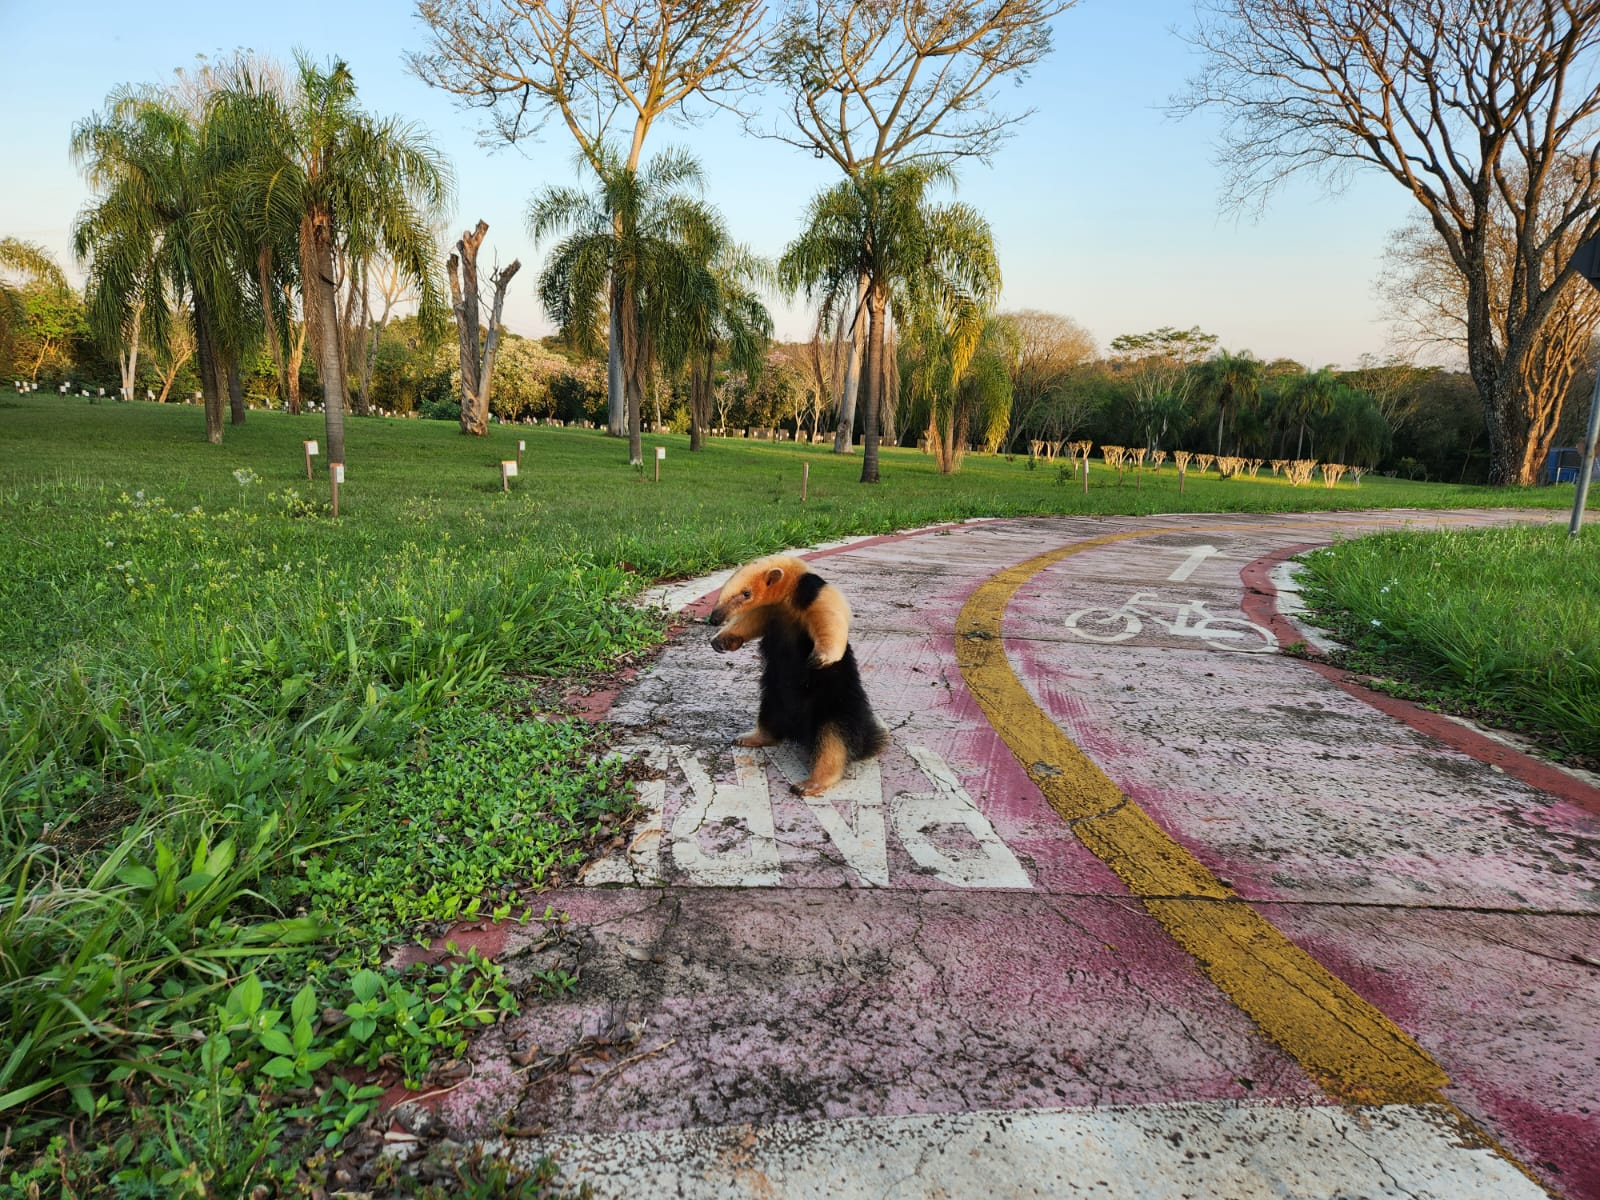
(661, 453)
(805, 480)
(311, 452)
(336, 477)
(508, 468)
(522, 444)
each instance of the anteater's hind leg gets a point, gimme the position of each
(827, 767)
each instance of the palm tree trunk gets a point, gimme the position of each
(269, 318)
(844, 439)
(327, 309)
(128, 361)
(616, 402)
(297, 355)
(890, 396)
(700, 396)
(235, 390)
(359, 352)
(210, 384)
(877, 303)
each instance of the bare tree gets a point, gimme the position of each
(477, 364)
(1394, 384)
(1045, 348)
(873, 85)
(589, 64)
(394, 290)
(169, 357)
(1426, 294)
(1484, 111)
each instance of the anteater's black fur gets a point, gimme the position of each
(798, 700)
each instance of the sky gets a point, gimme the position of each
(1104, 208)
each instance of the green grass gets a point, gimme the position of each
(1499, 623)
(242, 743)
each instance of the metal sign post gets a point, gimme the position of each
(1586, 466)
(1587, 260)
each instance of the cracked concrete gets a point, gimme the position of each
(931, 958)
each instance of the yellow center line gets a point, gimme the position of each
(1340, 1040)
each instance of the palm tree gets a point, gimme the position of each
(1231, 381)
(879, 227)
(641, 237)
(31, 264)
(1312, 394)
(243, 124)
(140, 236)
(720, 310)
(341, 184)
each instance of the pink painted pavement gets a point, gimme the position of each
(938, 941)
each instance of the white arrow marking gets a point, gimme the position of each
(1187, 568)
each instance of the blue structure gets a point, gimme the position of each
(1562, 466)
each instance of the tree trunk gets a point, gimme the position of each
(616, 401)
(700, 396)
(878, 304)
(327, 332)
(491, 346)
(347, 312)
(358, 352)
(128, 360)
(297, 353)
(844, 439)
(464, 302)
(889, 408)
(269, 318)
(206, 358)
(235, 391)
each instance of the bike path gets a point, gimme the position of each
(1134, 970)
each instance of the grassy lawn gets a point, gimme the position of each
(1498, 623)
(244, 746)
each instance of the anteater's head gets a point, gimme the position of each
(766, 581)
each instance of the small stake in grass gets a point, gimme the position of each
(805, 480)
(522, 444)
(311, 452)
(335, 478)
(508, 468)
(661, 452)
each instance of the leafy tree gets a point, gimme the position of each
(23, 265)
(1158, 367)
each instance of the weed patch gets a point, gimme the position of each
(1498, 623)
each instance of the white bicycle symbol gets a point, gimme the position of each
(1190, 620)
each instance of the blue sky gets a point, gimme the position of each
(1103, 207)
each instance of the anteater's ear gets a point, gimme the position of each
(774, 575)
